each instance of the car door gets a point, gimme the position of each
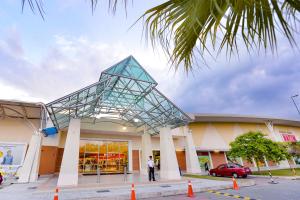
(221, 170)
(230, 169)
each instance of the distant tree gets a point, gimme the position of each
(255, 146)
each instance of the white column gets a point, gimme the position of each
(192, 162)
(29, 170)
(242, 162)
(146, 152)
(225, 157)
(130, 156)
(277, 138)
(168, 161)
(210, 160)
(68, 174)
(254, 163)
(266, 162)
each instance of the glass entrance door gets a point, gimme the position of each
(108, 156)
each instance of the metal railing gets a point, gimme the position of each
(125, 174)
(98, 175)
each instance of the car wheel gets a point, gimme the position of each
(235, 175)
(214, 174)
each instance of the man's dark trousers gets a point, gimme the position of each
(151, 174)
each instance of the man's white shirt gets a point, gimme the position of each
(150, 163)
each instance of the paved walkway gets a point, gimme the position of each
(285, 189)
(44, 189)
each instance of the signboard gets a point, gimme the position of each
(288, 136)
(11, 157)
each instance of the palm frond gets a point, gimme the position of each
(34, 5)
(184, 27)
(38, 5)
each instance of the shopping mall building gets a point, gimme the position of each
(115, 124)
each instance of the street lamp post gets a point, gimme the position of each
(292, 97)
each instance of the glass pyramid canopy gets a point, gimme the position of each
(126, 90)
(130, 68)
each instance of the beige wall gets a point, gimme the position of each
(293, 130)
(16, 130)
(136, 140)
(218, 135)
(19, 130)
(207, 136)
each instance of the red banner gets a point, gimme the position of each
(289, 137)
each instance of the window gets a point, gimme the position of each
(221, 167)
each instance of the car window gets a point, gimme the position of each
(231, 166)
(221, 167)
(234, 165)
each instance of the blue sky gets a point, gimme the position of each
(44, 60)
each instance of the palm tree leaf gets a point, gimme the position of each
(182, 27)
(38, 5)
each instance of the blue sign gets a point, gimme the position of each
(50, 131)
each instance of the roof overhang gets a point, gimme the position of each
(242, 119)
(20, 109)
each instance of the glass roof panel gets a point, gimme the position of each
(129, 67)
(125, 89)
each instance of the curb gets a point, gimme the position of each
(166, 193)
(282, 177)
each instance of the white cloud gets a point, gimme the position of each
(13, 93)
(72, 63)
(260, 85)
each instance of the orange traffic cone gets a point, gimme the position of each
(190, 192)
(56, 194)
(132, 192)
(235, 185)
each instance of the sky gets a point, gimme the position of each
(42, 60)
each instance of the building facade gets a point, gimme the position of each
(115, 124)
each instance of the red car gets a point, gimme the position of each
(230, 169)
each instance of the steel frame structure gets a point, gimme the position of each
(125, 90)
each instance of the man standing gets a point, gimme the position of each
(151, 169)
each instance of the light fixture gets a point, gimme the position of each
(124, 128)
(136, 120)
(292, 97)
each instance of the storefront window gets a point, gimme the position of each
(91, 157)
(107, 156)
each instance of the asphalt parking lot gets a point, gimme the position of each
(263, 190)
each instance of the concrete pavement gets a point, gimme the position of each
(263, 190)
(38, 191)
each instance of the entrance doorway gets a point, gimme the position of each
(109, 157)
(156, 158)
(204, 160)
